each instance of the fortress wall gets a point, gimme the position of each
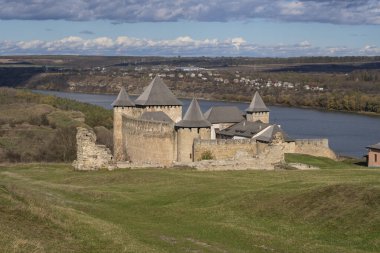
(261, 147)
(186, 137)
(272, 154)
(266, 159)
(224, 149)
(118, 143)
(90, 156)
(149, 142)
(314, 147)
(174, 112)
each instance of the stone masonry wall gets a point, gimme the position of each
(149, 142)
(222, 149)
(174, 112)
(314, 147)
(263, 116)
(185, 140)
(118, 143)
(266, 159)
(91, 156)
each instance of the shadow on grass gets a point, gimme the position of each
(361, 163)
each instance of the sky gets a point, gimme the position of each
(257, 28)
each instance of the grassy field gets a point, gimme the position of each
(51, 208)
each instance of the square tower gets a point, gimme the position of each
(257, 110)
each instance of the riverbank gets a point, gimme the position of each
(231, 101)
(348, 133)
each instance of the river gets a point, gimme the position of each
(348, 133)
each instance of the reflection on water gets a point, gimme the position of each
(348, 134)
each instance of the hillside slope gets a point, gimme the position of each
(36, 127)
(51, 208)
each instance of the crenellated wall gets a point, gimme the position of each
(160, 143)
(174, 112)
(149, 142)
(255, 116)
(120, 139)
(314, 147)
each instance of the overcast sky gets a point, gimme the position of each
(274, 28)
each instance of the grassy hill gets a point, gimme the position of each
(35, 127)
(51, 208)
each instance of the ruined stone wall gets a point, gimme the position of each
(263, 116)
(241, 154)
(91, 156)
(185, 140)
(314, 147)
(274, 152)
(149, 142)
(222, 149)
(174, 112)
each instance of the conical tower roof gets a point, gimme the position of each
(257, 104)
(123, 100)
(268, 134)
(194, 117)
(157, 93)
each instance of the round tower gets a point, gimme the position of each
(123, 105)
(257, 110)
(193, 126)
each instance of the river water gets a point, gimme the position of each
(348, 133)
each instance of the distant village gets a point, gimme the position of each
(202, 75)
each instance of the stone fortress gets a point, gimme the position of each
(151, 131)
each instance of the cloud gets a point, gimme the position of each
(116, 11)
(184, 46)
(87, 32)
(372, 50)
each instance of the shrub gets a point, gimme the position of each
(207, 155)
(104, 136)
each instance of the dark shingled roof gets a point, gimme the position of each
(156, 116)
(269, 133)
(224, 114)
(244, 128)
(194, 117)
(123, 99)
(375, 146)
(157, 93)
(257, 104)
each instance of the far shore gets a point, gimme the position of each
(370, 114)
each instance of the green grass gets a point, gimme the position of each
(51, 208)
